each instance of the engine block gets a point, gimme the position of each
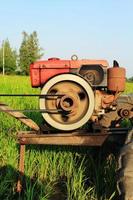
(88, 85)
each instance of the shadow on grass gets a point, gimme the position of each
(100, 170)
(100, 173)
(32, 189)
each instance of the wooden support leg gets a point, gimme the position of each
(21, 167)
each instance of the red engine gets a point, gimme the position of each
(41, 71)
(89, 88)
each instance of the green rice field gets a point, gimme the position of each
(51, 172)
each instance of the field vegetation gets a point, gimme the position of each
(51, 172)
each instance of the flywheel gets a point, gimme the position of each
(75, 100)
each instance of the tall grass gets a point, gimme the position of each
(51, 173)
(129, 88)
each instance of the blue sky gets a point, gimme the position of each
(95, 29)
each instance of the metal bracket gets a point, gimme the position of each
(75, 138)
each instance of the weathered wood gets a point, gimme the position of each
(19, 116)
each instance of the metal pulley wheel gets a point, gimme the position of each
(76, 102)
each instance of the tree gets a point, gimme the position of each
(10, 57)
(130, 79)
(29, 51)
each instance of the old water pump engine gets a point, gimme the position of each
(79, 91)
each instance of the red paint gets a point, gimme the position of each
(116, 79)
(48, 73)
(41, 71)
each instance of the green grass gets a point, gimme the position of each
(51, 173)
(129, 88)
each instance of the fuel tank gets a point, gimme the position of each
(116, 79)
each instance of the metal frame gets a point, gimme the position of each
(45, 136)
(75, 138)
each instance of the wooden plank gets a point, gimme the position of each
(19, 116)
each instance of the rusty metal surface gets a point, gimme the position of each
(41, 71)
(62, 139)
(81, 138)
(123, 103)
(93, 73)
(21, 167)
(126, 99)
(77, 102)
(103, 100)
(116, 79)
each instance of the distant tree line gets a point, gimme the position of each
(29, 51)
(130, 79)
(18, 62)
